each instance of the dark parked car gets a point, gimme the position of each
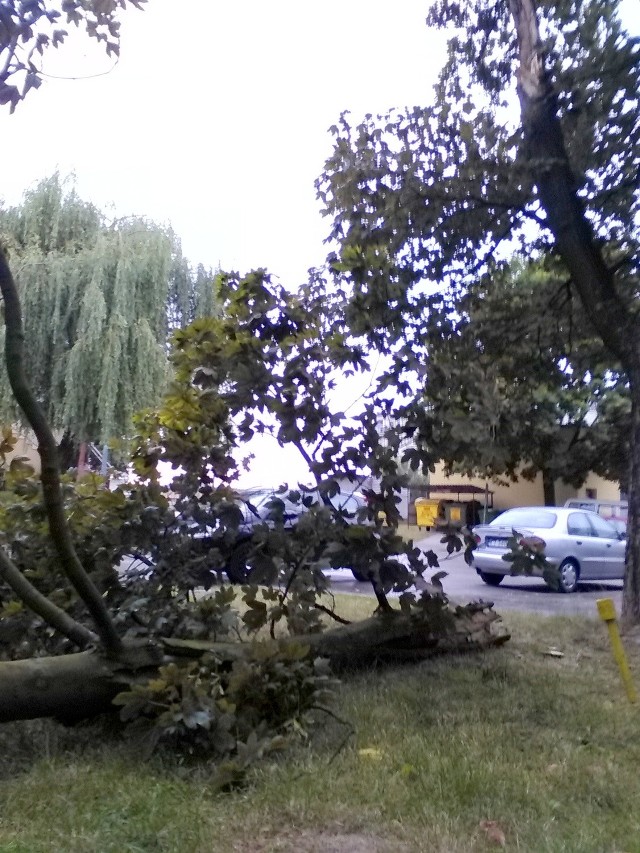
(267, 506)
(579, 543)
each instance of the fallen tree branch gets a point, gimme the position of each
(84, 684)
(42, 606)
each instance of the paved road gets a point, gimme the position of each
(524, 594)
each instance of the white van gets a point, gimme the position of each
(614, 511)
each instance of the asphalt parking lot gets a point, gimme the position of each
(463, 585)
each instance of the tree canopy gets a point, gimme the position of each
(517, 383)
(29, 28)
(438, 189)
(426, 200)
(99, 301)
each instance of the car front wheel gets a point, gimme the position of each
(491, 579)
(569, 572)
(360, 576)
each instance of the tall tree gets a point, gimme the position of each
(265, 364)
(267, 359)
(606, 274)
(422, 199)
(99, 301)
(517, 384)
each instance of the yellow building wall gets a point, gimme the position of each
(528, 492)
(26, 447)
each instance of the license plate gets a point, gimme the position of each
(494, 542)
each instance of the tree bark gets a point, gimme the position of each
(392, 636)
(49, 468)
(631, 587)
(549, 161)
(82, 685)
(42, 606)
(69, 688)
(614, 318)
(548, 487)
(82, 459)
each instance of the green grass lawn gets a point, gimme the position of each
(453, 755)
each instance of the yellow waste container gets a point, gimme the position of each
(456, 514)
(427, 510)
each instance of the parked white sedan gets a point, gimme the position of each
(580, 544)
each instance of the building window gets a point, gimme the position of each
(592, 494)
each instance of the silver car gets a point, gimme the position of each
(580, 544)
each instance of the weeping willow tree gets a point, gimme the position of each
(99, 302)
(191, 294)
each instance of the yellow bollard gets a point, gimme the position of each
(607, 611)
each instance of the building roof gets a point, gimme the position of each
(461, 489)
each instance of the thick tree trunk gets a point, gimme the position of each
(82, 460)
(76, 686)
(631, 588)
(612, 313)
(394, 636)
(69, 688)
(549, 161)
(548, 487)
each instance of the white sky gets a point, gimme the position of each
(215, 119)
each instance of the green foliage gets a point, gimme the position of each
(427, 202)
(234, 715)
(267, 364)
(98, 301)
(437, 198)
(526, 555)
(28, 29)
(264, 364)
(517, 380)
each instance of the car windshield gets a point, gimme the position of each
(525, 518)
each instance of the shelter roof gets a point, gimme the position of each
(461, 489)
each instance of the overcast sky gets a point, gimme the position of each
(216, 120)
